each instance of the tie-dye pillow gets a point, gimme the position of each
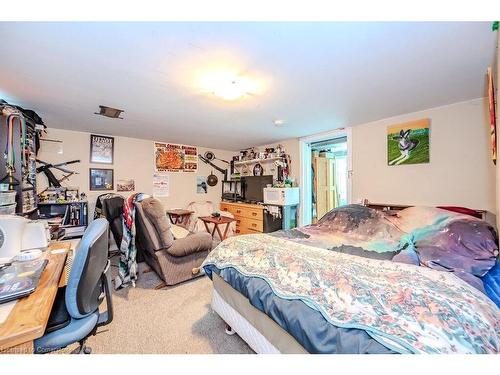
(449, 241)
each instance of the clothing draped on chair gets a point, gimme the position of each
(127, 268)
(98, 213)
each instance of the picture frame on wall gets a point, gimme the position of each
(492, 110)
(101, 179)
(125, 185)
(408, 143)
(101, 149)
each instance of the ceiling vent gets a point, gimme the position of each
(109, 112)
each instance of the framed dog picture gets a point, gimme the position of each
(408, 143)
(101, 179)
(101, 149)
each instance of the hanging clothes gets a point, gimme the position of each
(13, 118)
(99, 203)
(127, 268)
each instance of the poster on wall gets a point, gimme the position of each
(125, 185)
(408, 143)
(101, 149)
(161, 185)
(201, 185)
(170, 157)
(100, 179)
(493, 119)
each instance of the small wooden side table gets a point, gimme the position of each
(216, 221)
(178, 216)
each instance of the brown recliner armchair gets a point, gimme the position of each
(174, 260)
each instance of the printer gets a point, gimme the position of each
(18, 234)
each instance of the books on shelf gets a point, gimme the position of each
(75, 215)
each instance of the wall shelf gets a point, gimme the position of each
(244, 162)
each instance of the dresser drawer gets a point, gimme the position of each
(243, 230)
(255, 225)
(250, 213)
(239, 210)
(228, 208)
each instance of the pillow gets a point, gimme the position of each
(416, 217)
(492, 283)
(463, 245)
(448, 241)
(356, 226)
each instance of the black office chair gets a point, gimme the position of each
(112, 209)
(75, 315)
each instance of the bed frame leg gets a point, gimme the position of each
(229, 330)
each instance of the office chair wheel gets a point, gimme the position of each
(82, 349)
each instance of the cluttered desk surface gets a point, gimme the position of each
(28, 317)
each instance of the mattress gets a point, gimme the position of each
(259, 331)
(302, 323)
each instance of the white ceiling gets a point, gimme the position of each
(319, 76)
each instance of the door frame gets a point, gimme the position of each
(305, 215)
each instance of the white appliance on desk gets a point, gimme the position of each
(281, 196)
(18, 234)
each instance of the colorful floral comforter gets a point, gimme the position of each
(426, 236)
(407, 308)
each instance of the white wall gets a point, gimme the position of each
(460, 171)
(291, 148)
(133, 159)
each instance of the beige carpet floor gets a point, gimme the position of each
(175, 319)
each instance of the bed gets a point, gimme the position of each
(361, 281)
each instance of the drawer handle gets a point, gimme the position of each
(254, 225)
(254, 213)
(238, 211)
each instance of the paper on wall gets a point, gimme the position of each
(161, 185)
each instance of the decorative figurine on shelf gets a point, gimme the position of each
(258, 170)
(71, 195)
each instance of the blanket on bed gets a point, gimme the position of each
(352, 229)
(404, 307)
(425, 236)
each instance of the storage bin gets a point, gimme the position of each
(7, 197)
(8, 210)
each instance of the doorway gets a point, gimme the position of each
(329, 176)
(325, 174)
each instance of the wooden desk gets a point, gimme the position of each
(28, 319)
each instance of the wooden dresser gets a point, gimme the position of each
(249, 217)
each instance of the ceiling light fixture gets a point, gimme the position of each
(228, 85)
(278, 123)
